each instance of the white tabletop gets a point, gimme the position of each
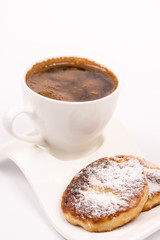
(123, 35)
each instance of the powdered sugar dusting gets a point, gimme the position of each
(151, 171)
(98, 202)
(153, 179)
(106, 187)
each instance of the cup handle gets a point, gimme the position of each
(11, 115)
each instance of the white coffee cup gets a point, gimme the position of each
(65, 126)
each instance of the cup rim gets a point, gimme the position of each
(70, 102)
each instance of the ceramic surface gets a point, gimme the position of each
(49, 176)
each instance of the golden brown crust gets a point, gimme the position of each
(109, 224)
(152, 202)
(152, 172)
(153, 176)
(79, 200)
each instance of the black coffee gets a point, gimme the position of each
(74, 80)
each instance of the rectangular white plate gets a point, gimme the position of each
(49, 176)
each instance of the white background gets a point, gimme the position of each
(123, 35)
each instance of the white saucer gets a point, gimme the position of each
(49, 176)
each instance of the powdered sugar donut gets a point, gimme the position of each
(106, 194)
